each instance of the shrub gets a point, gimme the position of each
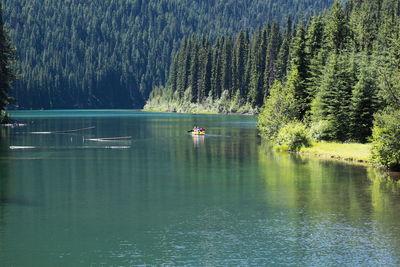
(386, 139)
(321, 130)
(4, 117)
(293, 136)
(280, 108)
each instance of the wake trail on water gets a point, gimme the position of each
(65, 131)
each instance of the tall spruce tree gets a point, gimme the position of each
(337, 28)
(299, 71)
(194, 69)
(316, 52)
(283, 54)
(270, 71)
(332, 103)
(240, 60)
(363, 102)
(259, 50)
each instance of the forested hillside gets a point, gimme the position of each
(111, 53)
(330, 75)
(7, 76)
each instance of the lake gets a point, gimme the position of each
(172, 199)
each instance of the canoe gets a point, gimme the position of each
(198, 133)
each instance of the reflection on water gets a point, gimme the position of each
(5, 195)
(168, 198)
(198, 140)
(335, 205)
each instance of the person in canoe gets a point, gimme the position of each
(198, 131)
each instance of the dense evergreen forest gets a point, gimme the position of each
(327, 77)
(7, 76)
(111, 53)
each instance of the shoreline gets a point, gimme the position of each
(202, 112)
(348, 152)
(343, 159)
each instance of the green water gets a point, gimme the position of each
(167, 198)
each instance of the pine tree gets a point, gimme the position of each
(194, 69)
(337, 29)
(206, 72)
(363, 102)
(316, 52)
(227, 65)
(173, 74)
(389, 75)
(283, 54)
(258, 55)
(299, 72)
(216, 81)
(274, 43)
(184, 67)
(332, 103)
(240, 60)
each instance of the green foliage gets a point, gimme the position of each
(4, 117)
(7, 75)
(322, 130)
(386, 139)
(280, 108)
(293, 136)
(332, 102)
(337, 29)
(299, 71)
(389, 74)
(363, 103)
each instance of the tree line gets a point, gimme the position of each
(105, 54)
(337, 73)
(241, 68)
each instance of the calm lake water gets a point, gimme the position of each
(167, 198)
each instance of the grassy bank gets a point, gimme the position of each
(342, 151)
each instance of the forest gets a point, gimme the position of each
(7, 72)
(333, 77)
(111, 54)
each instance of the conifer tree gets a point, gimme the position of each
(205, 85)
(173, 73)
(332, 103)
(259, 47)
(194, 69)
(184, 68)
(337, 29)
(216, 81)
(227, 64)
(283, 54)
(274, 43)
(316, 53)
(299, 71)
(240, 60)
(363, 103)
